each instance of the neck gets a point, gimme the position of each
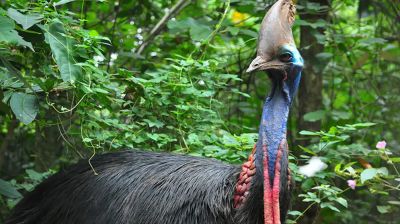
(273, 127)
(268, 159)
(271, 151)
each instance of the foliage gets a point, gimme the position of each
(74, 82)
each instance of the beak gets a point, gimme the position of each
(256, 64)
(260, 64)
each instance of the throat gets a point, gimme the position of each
(267, 164)
(273, 127)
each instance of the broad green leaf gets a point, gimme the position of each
(307, 150)
(26, 21)
(33, 175)
(383, 208)
(383, 170)
(62, 2)
(197, 29)
(370, 41)
(309, 133)
(314, 116)
(394, 202)
(154, 123)
(8, 190)
(9, 35)
(395, 159)
(233, 30)
(333, 208)
(193, 139)
(368, 174)
(341, 114)
(229, 140)
(294, 213)
(364, 125)
(62, 49)
(199, 32)
(342, 201)
(324, 55)
(24, 106)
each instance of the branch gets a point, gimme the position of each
(181, 4)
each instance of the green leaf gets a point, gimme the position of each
(383, 170)
(342, 201)
(62, 2)
(193, 139)
(368, 174)
(9, 35)
(26, 21)
(8, 190)
(341, 114)
(363, 125)
(307, 150)
(395, 159)
(230, 141)
(24, 106)
(154, 123)
(233, 30)
(309, 133)
(314, 116)
(198, 30)
(383, 208)
(324, 55)
(62, 49)
(33, 175)
(394, 202)
(371, 41)
(294, 213)
(333, 208)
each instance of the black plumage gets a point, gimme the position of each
(141, 188)
(138, 187)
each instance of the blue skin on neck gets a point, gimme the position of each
(276, 107)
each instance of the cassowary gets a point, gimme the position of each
(159, 188)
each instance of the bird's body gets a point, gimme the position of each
(135, 187)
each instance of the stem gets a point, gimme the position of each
(181, 4)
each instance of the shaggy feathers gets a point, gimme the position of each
(140, 188)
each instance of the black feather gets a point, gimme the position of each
(141, 188)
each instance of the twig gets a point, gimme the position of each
(181, 4)
(112, 37)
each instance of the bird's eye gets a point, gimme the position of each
(285, 57)
(256, 65)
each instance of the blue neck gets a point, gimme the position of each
(273, 125)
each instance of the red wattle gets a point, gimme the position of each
(268, 205)
(276, 186)
(271, 196)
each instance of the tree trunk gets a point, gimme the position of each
(310, 91)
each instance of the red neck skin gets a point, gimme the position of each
(271, 195)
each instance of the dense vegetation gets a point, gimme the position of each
(85, 77)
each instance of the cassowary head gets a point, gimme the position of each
(276, 52)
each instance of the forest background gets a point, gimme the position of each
(85, 77)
